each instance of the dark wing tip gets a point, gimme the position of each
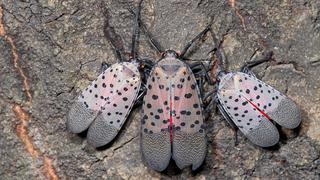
(265, 135)
(287, 114)
(189, 149)
(101, 132)
(156, 150)
(79, 117)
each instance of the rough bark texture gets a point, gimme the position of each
(51, 49)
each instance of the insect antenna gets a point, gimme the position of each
(111, 35)
(136, 31)
(199, 36)
(155, 44)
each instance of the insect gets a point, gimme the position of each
(253, 106)
(104, 106)
(173, 116)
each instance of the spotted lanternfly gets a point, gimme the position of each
(106, 103)
(253, 106)
(172, 124)
(104, 106)
(173, 116)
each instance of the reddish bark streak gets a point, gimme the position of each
(49, 169)
(232, 4)
(20, 114)
(22, 130)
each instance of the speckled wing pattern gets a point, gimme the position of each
(173, 122)
(253, 105)
(106, 103)
(189, 143)
(155, 136)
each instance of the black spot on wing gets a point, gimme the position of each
(188, 95)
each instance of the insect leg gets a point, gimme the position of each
(230, 122)
(147, 62)
(199, 63)
(114, 39)
(208, 97)
(208, 102)
(200, 85)
(199, 36)
(104, 66)
(200, 68)
(141, 94)
(146, 65)
(226, 116)
(246, 68)
(207, 110)
(201, 74)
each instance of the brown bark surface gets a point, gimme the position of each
(51, 49)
